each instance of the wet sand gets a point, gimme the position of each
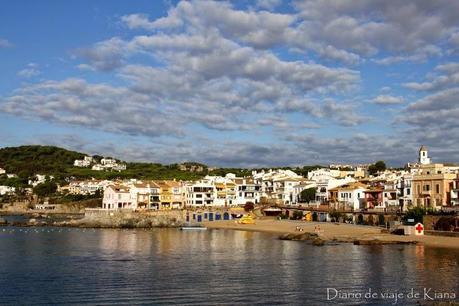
(334, 231)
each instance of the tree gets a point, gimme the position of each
(308, 195)
(377, 167)
(249, 206)
(335, 216)
(297, 215)
(416, 213)
(45, 189)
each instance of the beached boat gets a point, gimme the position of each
(246, 219)
(190, 228)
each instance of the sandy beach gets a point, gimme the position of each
(334, 231)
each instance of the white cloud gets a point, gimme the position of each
(387, 99)
(30, 71)
(445, 75)
(5, 43)
(268, 4)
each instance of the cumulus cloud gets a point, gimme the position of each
(76, 102)
(268, 4)
(5, 43)
(387, 99)
(31, 70)
(367, 27)
(106, 55)
(444, 76)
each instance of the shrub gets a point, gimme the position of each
(297, 215)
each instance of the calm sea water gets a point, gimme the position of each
(44, 266)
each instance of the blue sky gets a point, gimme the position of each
(242, 83)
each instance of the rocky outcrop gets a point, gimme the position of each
(299, 237)
(126, 220)
(318, 242)
(381, 242)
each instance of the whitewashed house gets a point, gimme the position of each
(98, 167)
(351, 195)
(201, 194)
(7, 190)
(2, 171)
(247, 190)
(390, 194)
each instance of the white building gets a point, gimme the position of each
(277, 184)
(390, 196)
(85, 162)
(349, 196)
(88, 186)
(7, 190)
(247, 190)
(98, 167)
(39, 179)
(2, 171)
(455, 192)
(201, 194)
(108, 161)
(423, 158)
(405, 191)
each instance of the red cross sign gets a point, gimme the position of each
(419, 229)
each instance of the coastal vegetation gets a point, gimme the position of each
(308, 195)
(27, 161)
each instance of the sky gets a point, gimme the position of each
(233, 84)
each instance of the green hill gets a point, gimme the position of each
(26, 161)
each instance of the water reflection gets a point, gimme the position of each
(206, 267)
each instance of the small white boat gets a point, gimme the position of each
(189, 228)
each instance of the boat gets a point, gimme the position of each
(189, 228)
(246, 219)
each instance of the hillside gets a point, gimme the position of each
(29, 160)
(26, 161)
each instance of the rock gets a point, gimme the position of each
(3, 221)
(318, 242)
(381, 242)
(32, 221)
(298, 237)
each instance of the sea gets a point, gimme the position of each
(73, 266)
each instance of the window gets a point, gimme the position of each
(437, 187)
(408, 191)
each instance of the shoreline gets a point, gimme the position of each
(285, 229)
(336, 232)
